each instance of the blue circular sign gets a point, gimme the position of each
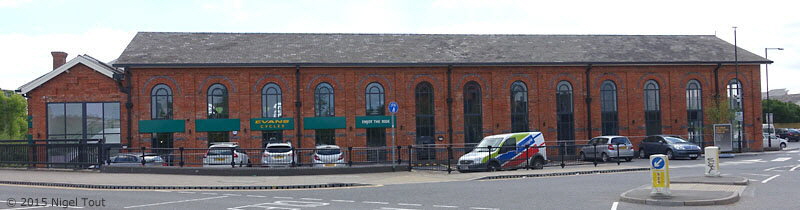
(393, 107)
(658, 163)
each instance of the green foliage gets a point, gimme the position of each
(720, 112)
(783, 112)
(13, 116)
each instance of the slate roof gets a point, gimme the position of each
(288, 49)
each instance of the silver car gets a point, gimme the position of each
(135, 159)
(606, 147)
(776, 141)
(223, 154)
(328, 156)
(278, 154)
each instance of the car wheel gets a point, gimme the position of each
(493, 166)
(538, 163)
(783, 145)
(669, 154)
(627, 159)
(583, 156)
(604, 157)
(642, 154)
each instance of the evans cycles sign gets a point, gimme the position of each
(268, 124)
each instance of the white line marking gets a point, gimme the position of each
(232, 194)
(781, 159)
(171, 202)
(796, 151)
(776, 167)
(442, 206)
(344, 201)
(755, 180)
(757, 174)
(770, 178)
(187, 192)
(283, 197)
(374, 202)
(387, 208)
(32, 207)
(409, 204)
(209, 193)
(257, 196)
(754, 160)
(483, 208)
(311, 199)
(614, 206)
(793, 168)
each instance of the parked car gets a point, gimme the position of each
(328, 156)
(278, 154)
(508, 151)
(793, 135)
(135, 159)
(671, 146)
(776, 141)
(223, 153)
(607, 147)
(781, 132)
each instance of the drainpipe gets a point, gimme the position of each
(127, 76)
(449, 104)
(716, 82)
(588, 103)
(298, 105)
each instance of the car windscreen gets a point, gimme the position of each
(674, 140)
(620, 141)
(279, 149)
(487, 142)
(124, 159)
(220, 151)
(328, 151)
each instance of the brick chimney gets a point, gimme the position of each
(59, 58)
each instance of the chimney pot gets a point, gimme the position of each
(59, 59)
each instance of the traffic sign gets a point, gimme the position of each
(658, 163)
(393, 107)
(659, 172)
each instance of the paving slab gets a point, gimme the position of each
(724, 180)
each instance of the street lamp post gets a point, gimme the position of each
(766, 67)
(740, 99)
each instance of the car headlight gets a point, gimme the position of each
(681, 147)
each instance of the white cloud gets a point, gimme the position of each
(13, 3)
(27, 57)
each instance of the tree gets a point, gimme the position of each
(13, 116)
(783, 112)
(720, 111)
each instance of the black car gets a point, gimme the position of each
(793, 135)
(781, 132)
(672, 146)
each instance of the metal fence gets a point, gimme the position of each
(443, 157)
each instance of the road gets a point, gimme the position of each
(775, 180)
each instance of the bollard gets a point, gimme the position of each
(659, 171)
(712, 162)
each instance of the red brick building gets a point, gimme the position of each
(189, 89)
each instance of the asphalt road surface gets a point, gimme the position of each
(775, 183)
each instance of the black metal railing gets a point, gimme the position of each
(62, 153)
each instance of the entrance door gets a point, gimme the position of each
(271, 137)
(163, 140)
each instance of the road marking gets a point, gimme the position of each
(374, 202)
(796, 151)
(344, 201)
(232, 194)
(387, 208)
(187, 192)
(770, 178)
(311, 199)
(793, 168)
(757, 174)
(442, 206)
(781, 159)
(171, 202)
(283, 197)
(776, 167)
(614, 206)
(208, 193)
(753, 160)
(483, 208)
(409, 204)
(257, 196)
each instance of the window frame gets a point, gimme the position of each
(211, 102)
(694, 112)
(519, 107)
(155, 100)
(652, 107)
(473, 112)
(425, 122)
(330, 107)
(276, 96)
(609, 115)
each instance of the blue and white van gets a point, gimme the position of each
(508, 151)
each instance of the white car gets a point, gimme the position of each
(278, 154)
(223, 153)
(776, 141)
(328, 156)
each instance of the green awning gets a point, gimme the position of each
(271, 124)
(311, 123)
(162, 126)
(374, 121)
(211, 125)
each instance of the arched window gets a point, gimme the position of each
(694, 112)
(375, 99)
(161, 102)
(652, 107)
(519, 107)
(608, 108)
(473, 123)
(217, 102)
(735, 94)
(425, 111)
(323, 107)
(218, 109)
(565, 112)
(271, 103)
(323, 100)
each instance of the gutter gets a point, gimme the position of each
(588, 101)
(297, 106)
(119, 77)
(406, 64)
(449, 104)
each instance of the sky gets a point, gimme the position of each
(31, 29)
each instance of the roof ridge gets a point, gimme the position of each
(411, 34)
